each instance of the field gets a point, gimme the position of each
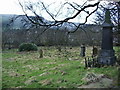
(56, 69)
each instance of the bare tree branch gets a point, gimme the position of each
(85, 20)
(58, 22)
(48, 11)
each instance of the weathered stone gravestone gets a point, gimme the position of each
(40, 53)
(82, 53)
(94, 51)
(106, 56)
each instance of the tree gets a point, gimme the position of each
(114, 8)
(73, 11)
(67, 10)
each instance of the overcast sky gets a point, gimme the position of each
(12, 6)
(9, 7)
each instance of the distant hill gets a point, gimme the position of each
(12, 21)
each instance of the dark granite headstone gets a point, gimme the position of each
(82, 53)
(106, 56)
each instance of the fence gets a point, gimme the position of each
(91, 61)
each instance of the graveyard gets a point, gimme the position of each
(57, 69)
(40, 52)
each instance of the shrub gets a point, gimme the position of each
(28, 47)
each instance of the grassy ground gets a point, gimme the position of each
(55, 69)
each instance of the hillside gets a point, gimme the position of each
(12, 21)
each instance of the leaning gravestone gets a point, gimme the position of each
(40, 53)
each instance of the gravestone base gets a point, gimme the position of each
(106, 57)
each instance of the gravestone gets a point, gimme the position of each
(94, 51)
(82, 53)
(40, 53)
(106, 56)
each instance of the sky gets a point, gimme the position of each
(12, 7)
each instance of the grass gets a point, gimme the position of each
(55, 69)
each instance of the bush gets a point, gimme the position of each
(28, 47)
